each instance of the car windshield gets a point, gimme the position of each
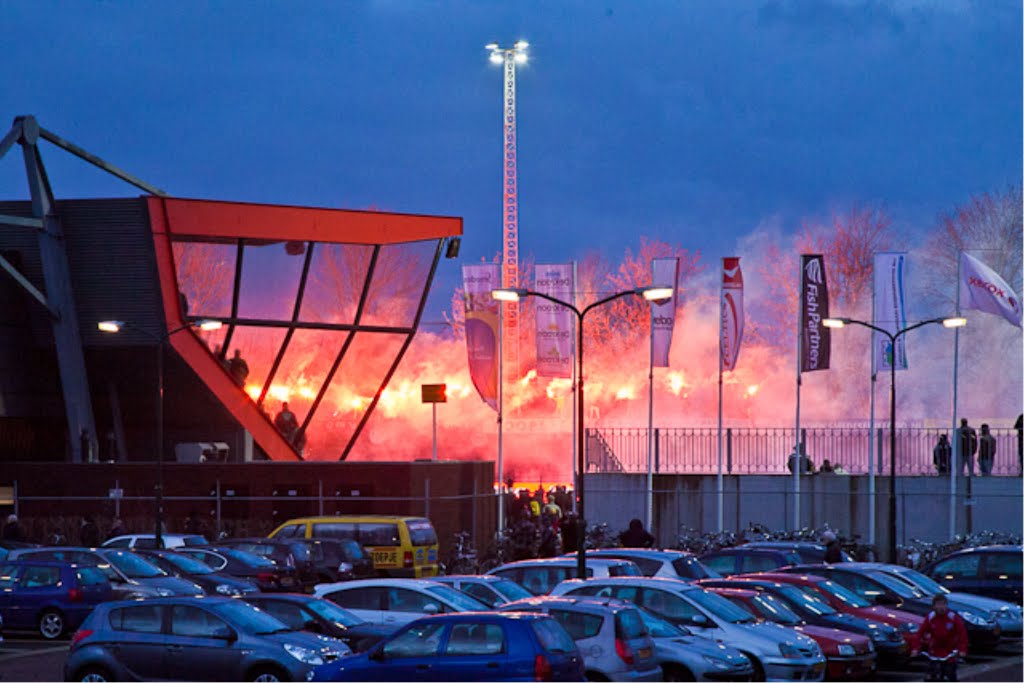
(352, 549)
(331, 612)
(900, 588)
(719, 606)
(847, 596)
(691, 568)
(776, 610)
(921, 581)
(247, 618)
(659, 628)
(133, 566)
(510, 590)
(805, 601)
(187, 565)
(248, 559)
(457, 599)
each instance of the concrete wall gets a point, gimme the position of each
(690, 502)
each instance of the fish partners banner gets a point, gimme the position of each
(664, 273)
(983, 289)
(890, 309)
(482, 328)
(815, 338)
(732, 311)
(554, 321)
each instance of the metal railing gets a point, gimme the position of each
(681, 450)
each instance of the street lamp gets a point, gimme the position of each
(115, 326)
(838, 323)
(653, 293)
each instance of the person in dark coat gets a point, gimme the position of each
(117, 529)
(570, 529)
(986, 451)
(238, 368)
(89, 533)
(636, 536)
(833, 550)
(12, 529)
(942, 454)
(968, 446)
(1019, 426)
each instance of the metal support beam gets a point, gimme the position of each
(29, 288)
(19, 222)
(96, 161)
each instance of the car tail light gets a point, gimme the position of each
(407, 559)
(265, 577)
(541, 668)
(80, 635)
(75, 595)
(623, 651)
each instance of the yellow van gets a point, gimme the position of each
(403, 547)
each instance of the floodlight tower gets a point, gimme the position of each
(509, 57)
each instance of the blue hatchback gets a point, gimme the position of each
(468, 646)
(51, 598)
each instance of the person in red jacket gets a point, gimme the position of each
(943, 633)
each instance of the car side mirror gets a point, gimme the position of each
(431, 608)
(226, 634)
(699, 620)
(377, 655)
(313, 626)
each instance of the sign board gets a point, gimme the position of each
(434, 393)
(116, 493)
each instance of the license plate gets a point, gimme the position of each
(385, 557)
(644, 652)
(287, 581)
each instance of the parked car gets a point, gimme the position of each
(810, 553)
(776, 653)
(672, 564)
(540, 576)
(402, 547)
(394, 602)
(1007, 614)
(7, 546)
(339, 559)
(848, 655)
(306, 613)
(130, 575)
(686, 657)
(266, 574)
(193, 639)
(148, 541)
(493, 591)
(610, 634)
(992, 571)
(206, 577)
(746, 560)
(50, 598)
(467, 647)
(286, 553)
(882, 589)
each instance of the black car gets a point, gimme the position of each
(209, 579)
(992, 571)
(292, 552)
(879, 588)
(266, 574)
(338, 559)
(890, 644)
(307, 613)
(746, 560)
(810, 553)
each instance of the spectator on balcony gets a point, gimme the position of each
(238, 368)
(826, 467)
(986, 451)
(968, 446)
(806, 466)
(286, 423)
(942, 454)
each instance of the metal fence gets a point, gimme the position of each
(766, 450)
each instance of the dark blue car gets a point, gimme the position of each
(468, 646)
(50, 598)
(991, 571)
(747, 560)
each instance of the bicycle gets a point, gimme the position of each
(462, 557)
(942, 668)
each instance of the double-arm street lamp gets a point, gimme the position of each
(837, 323)
(115, 326)
(653, 293)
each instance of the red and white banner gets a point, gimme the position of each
(664, 273)
(732, 312)
(482, 328)
(983, 289)
(554, 321)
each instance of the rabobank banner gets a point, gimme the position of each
(732, 311)
(664, 273)
(890, 309)
(482, 328)
(554, 321)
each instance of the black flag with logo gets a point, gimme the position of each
(815, 338)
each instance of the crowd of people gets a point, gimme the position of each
(974, 446)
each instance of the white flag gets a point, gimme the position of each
(890, 309)
(983, 289)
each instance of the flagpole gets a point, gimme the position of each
(954, 465)
(871, 421)
(650, 428)
(720, 483)
(501, 410)
(575, 379)
(799, 367)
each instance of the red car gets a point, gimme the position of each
(843, 599)
(848, 655)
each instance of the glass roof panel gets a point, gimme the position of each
(302, 371)
(258, 347)
(336, 278)
(270, 279)
(205, 273)
(398, 282)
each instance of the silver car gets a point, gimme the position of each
(685, 657)
(671, 564)
(540, 576)
(493, 591)
(609, 633)
(776, 652)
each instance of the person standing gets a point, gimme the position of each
(88, 533)
(1019, 426)
(12, 529)
(968, 446)
(286, 422)
(986, 451)
(117, 529)
(238, 368)
(636, 536)
(942, 454)
(833, 550)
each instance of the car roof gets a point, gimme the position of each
(652, 553)
(780, 577)
(210, 600)
(649, 581)
(734, 590)
(474, 578)
(561, 562)
(989, 548)
(746, 548)
(395, 583)
(46, 563)
(347, 518)
(588, 603)
(784, 544)
(486, 616)
(283, 597)
(114, 538)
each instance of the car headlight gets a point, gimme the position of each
(871, 646)
(345, 567)
(310, 674)
(717, 663)
(225, 589)
(304, 654)
(908, 627)
(846, 650)
(164, 592)
(876, 634)
(972, 618)
(789, 651)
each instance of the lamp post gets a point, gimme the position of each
(837, 323)
(115, 326)
(653, 293)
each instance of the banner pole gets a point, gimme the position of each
(501, 409)
(954, 465)
(720, 483)
(799, 368)
(575, 426)
(650, 429)
(871, 423)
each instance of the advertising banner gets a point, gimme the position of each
(732, 311)
(815, 338)
(983, 289)
(482, 328)
(554, 321)
(664, 273)
(890, 309)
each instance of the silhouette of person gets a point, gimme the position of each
(286, 422)
(238, 368)
(986, 451)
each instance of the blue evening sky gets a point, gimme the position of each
(689, 121)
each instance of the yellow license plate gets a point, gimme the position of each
(385, 557)
(644, 652)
